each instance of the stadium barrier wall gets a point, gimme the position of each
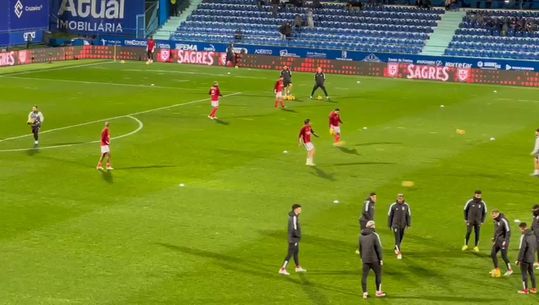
(211, 58)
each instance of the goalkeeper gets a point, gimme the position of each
(35, 119)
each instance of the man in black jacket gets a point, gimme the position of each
(535, 229)
(370, 248)
(319, 80)
(294, 237)
(367, 213)
(475, 211)
(399, 218)
(500, 243)
(526, 256)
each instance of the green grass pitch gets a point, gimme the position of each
(72, 235)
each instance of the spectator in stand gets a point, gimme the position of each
(298, 22)
(275, 7)
(260, 4)
(310, 19)
(317, 4)
(286, 31)
(238, 36)
(173, 8)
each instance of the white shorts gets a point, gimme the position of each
(279, 95)
(105, 149)
(309, 146)
(215, 104)
(336, 129)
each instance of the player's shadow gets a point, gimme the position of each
(347, 150)
(32, 151)
(377, 143)
(252, 268)
(221, 122)
(312, 292)
(450, 299)
(107, 176)
(323, 174)
(289, 110)
(145, 167)
(362, 163)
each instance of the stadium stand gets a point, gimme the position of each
(387, 29)
(497, 34)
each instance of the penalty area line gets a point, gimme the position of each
(129, 115)
(139, 128)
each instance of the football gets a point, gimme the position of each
(495, 273)
(461, 132)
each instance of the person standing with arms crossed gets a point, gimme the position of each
(294, 237)
(526, 255)
(475, 211)
(370, 248)
(399, 218)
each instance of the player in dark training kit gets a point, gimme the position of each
(535, 229)
(319, 82)
(399, 218)
(500, 243)
(286, 74)
(370, 248)
(367, 213)
(294, 237)
(526, 256)
(475, 211)
(35, 119)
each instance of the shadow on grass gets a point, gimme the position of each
(377, 143)
(32, 151)
(347, 150)
(328, 243)
(312, 292)
(107, 176)
(253, 268)
(145, 167)
(221, 122)
(450, 299)
(363, 163)
(323, 174)
(289, 110)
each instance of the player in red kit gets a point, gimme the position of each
(150, 49)
(105, 148)
(278, 90)
(305, 139)
(215, 94)
(335, 126)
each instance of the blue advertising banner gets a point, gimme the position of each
(96, 17)
(4, 8)
(22, 37)
(27, 14)
(441, 61)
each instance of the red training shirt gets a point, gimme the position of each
(305, 134)
(279, 86)
(105, 137)
(151, 45)
(334, 119)
(215, 93)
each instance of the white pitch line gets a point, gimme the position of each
(194, 73)
(59, 68)
(97, 83)
(116, 117)
(139, 128)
